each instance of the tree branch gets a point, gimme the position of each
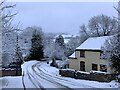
(10, 6)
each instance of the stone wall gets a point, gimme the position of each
(101, 77)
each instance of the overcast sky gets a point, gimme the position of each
(60, 17)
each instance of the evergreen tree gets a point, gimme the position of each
(60, 40)
(111, 51)
(18, 54)
(18, 58)
(36, 51)
(115, 54)
(59, 48)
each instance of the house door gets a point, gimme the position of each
(82, 66)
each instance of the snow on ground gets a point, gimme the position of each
(27, 72)
(16, 81)
(1, 83)
(12, 82)
(26, 65)
(55, 72)
(52, 74)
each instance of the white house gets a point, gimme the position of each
(87, 57)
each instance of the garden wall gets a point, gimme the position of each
(101, 77)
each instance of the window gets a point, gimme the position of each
(94, 67)
(82, 54)
(103, 68)
(82, 66)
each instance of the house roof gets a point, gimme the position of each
(93, 43)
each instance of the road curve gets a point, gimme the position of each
(41, 79)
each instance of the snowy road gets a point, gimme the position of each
(41, 80)
(42, 76)
(38, 76)
(29, 78)
(55, 79)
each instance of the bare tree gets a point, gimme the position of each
(6, 17)
(84, 33)
(8, 34)
(100, 25)
(103, 25)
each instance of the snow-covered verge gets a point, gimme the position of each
(1, 84)
(16, 81)
(12, 82)
(50, 73)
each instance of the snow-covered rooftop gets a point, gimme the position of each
(93, 43)
(65, 40)
(66, 37)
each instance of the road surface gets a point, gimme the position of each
(38, 77)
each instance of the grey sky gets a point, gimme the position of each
(60, 17)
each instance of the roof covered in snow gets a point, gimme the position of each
(66, 35)
(65, 40)
(93, 43)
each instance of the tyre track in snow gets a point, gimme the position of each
(38, 65)
(49, 79)
(23, 81)
(36, 79)
(60, 79)
(35, 82)
(32, 79)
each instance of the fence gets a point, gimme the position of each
(10, 72)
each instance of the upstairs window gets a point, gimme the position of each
(82, 54)
(94, 67)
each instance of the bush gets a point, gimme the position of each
(54, 64)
